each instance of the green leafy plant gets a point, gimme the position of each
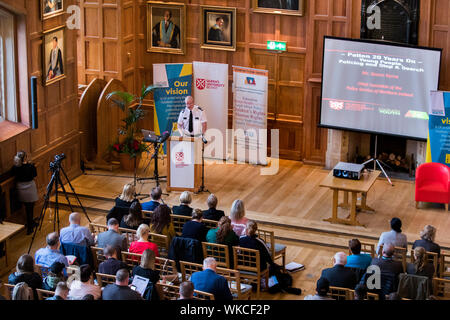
(132, 106)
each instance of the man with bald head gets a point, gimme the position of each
(50, 254)
(339, 275)
(192, 119)
(75, 233)
(387, 263)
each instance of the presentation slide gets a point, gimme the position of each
(378, 88)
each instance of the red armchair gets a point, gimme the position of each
(433, 183)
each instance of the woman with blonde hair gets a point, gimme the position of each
(142, 243)
(146, 269)
(123, 203)
(420, 267)
(427, 236)
(184, 209)
(25, 172)
(237, 216)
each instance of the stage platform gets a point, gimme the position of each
(291, 202)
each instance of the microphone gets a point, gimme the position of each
(204, 139)
(164, 137)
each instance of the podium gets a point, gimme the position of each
(184, 172)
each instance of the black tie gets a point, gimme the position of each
(191, 122)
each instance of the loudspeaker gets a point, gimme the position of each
(398, 20)
(34, 107)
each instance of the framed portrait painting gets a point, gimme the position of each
(218, 28)
(166, 27)
(286, 7)
(52, 8)
(54, 56)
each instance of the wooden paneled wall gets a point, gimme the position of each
(57, 103)
(295, 76)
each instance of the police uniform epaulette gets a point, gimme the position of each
(200, 109)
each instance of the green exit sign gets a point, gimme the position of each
(276, 45)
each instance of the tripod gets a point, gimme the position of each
(56, 168)
(377, 162)
(202, 187)
(156, 175)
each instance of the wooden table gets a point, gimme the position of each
(354, 186)
(7, 231)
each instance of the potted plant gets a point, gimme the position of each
(127, 145)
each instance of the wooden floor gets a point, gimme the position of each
(291, 203)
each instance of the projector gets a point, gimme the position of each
(348, 170)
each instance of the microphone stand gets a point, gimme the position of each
(202, 187)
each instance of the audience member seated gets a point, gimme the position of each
(25, 273)
(212, 213)
(251, 241)
(147, 267)
(75, 233)
(120, 290)
(111, 265)
(61, 292)
(161, 222)
(223, 234)
(22, 291)
(322, 288)
(386, 262)
(360, 291)
(186, 291)
(420, 267)
(50, 254)
(209, 281)
(79, 288)
(134, 218)
(54, 276)
(395, 236)
(195, 229)
(357, 259)
(339, 275)
(112, 237)
(156, 197)
(123, 203)
(142, 243)
(427, 236)
(238, 219)
(183, 209)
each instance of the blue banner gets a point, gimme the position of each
(169, 100)
(439, 134)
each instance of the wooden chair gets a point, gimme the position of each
(188, 268)
(163, 265)
(96, 228)
(399, 255)
(147, 215)
(178, 223)
(44, 294)
(432, 257)
(97, 254)
(171, 292)
(247, 262)
(220, 252)
(339, 293)
(104, 279)
(441, 288)
(130, 234)
(210, 224)
(370, 295)
(276, 250)
(162, 242)
(368, 248)
(444, 265)
(8, 290)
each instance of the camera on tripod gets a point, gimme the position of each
(55, 164)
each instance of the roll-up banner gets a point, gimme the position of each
(250, 87)
(211, 94)
(175, 82)
(438, 146)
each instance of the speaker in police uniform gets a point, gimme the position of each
(192, 119)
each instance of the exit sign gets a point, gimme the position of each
(276, 45)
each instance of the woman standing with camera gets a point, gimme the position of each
(25, 172)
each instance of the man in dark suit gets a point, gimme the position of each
(215, 33)
(209, 281)
(55, 67)
(111, 265)
(212, 213)
(120, 290)
(156, 197)
(386, 262)
(339, 275)
(112, 237)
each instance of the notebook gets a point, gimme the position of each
(294, 266)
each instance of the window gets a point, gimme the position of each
(8, 93)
